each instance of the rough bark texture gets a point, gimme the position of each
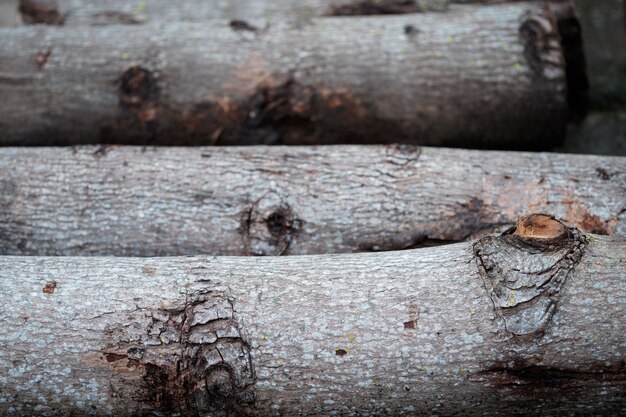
(418, 332)
(481, 76)
(137, 201)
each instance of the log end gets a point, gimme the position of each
(570, 31)
(540, 226)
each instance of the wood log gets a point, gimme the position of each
(133, 201)
(124, 12)
(527, 323)
(480, 76)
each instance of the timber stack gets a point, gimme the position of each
(446, 266)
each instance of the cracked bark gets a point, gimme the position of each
(476, 76)
(131, 201)
(397, 333)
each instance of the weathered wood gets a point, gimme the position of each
(133, 201)
(481, 76)
(511, 325)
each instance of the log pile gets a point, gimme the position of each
(144, 279)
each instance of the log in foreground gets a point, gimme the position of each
(476, 76)
(132, 201)
(530, 322)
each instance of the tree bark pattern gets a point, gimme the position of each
(133, 201)
(486, 76)
(397, 333)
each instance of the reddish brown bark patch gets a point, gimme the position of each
(540, 226)
(375, 7)
(603, 174)
(50, 287)
(291, 113)
(114, 357)
(519, 374)
(137, 86)
(148, 271)
(410, 324)
(288, 113)
(579, 215)
(40, 12)
(42, 58)
(108, 17)
(238, 25)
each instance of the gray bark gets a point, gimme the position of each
(506, 326)
(132, 201)
(481, 76)
(8, 13)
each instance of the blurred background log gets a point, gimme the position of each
(478, 76)
(132, 201)
(98, 12)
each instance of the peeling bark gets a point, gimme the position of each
(131, 201)
(486, 76)
(398, 333)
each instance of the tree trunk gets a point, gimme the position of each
(124, 12)
(530, 322)
(480, 76)
(132, 201)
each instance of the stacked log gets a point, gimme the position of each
(528, 322)
(479, 314)
(133, 201)
(486, 77)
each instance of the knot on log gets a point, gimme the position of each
(269, 226)
(137, 86)
(195, 358)
(525, 268)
